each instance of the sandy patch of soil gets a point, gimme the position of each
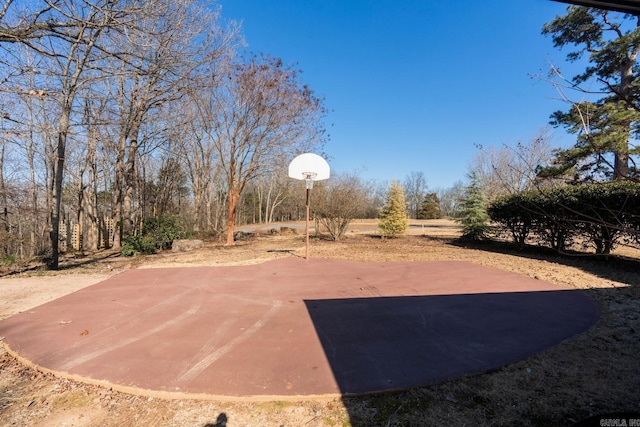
(23, 293)
(595, 372)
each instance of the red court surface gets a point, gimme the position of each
(293, 328)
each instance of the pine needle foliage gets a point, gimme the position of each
(392, 220)
(606, 128)
(473, 216)
(430, 207)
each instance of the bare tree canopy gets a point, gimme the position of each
(261, 114)
(135, 112)
(340, 200)
(97, 69)
(415, 188)
(505, 170)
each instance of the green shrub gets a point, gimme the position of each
(157, 233)
(598, 214)
(8, 260)
(163, 230)
(512, 214)
(134, 245)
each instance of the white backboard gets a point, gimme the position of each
(309, 166)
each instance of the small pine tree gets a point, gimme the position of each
(393, 219)
(473, 215)
(430, 208)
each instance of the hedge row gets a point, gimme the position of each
(597, 215)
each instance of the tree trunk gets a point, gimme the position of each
(207, 213)
(58, 175)
(3, 190)
(627, 89)
(128, 220)
(621, 164)
(92, 208)
(3, 200)
(118, 189)
(34, 197)
(231, 215)
(260, 192)
(80, 214)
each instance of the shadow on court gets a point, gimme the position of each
(392, 343)
(296, 329)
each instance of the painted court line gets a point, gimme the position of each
(210, 359)
(169, 323)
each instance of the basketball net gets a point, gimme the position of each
(308, 178)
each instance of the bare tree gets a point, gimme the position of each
(450, 199)
(506, 169)
(4, 197)
(204, 174)
(262, 112)
(38, 20)
(33, 116)
(119, 101)
(415, 188)
(71, 38)
(270, 192)
(72, 54)
(174, 43)
(339, 200)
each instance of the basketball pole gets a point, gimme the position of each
(307, 224)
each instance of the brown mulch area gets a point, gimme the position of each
(595, 372)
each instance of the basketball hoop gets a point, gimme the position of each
(309, 177)
(298, 170)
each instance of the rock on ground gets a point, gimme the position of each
(185, 245)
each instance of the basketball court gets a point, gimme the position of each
(294, 328)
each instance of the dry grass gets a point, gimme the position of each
(595, 372)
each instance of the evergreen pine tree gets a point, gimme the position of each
(606, 128)
(430, 208)
(473, 216)
(393, 219)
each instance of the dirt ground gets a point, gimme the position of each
(596, 372)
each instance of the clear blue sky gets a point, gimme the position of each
(413, 85)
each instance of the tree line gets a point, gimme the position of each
(115, 111)
(118, 113)
(586, 194)
(126, 118)
(123, 118)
